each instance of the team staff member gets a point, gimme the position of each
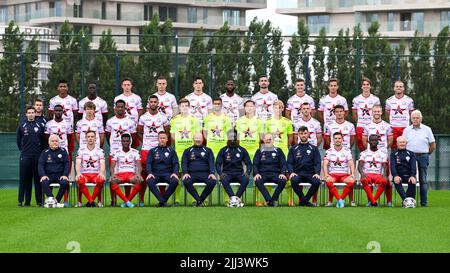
(420, 141)
(198, 166)
(403, 169)
(54, 168)
(229, 165)
(30, 141)
(162, 166)
(303, 164)
(39, 108)
(269, 165)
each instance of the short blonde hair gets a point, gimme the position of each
(279, 103)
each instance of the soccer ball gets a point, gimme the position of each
(50, 202)
(235, 202)
(409, 202)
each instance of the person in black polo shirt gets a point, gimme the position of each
(269, 165)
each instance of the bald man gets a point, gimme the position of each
(403, 169)
(197, 165)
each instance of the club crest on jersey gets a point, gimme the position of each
(238, 155)
(408, 158)
(308, 152)
(166, 154)
(36, 129)
(59, 155)
(203, 154)
(274, 155)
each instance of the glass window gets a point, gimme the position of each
(192, 15)
(316, 23)
(104, 10)
(417, 21)
(232, 17)
(78, 10)
(173, 14)
(205, 16)
(119, 12)
(128, 35)
(167, 12)
(44, 50)
(4, 14)
(148, 12)
(58, 8)
(27, 12)
(405, 21)
(445, 18)
(371, 17)
(390, 21)
(16, 13)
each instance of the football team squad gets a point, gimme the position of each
(200, 141)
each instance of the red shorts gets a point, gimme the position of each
(125, 177)
(359, 143)
(396, 132)
(339, 177)
(374, 178)
(90, 178)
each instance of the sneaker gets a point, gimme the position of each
(123, 205)
(113, 203)
(199, 204)
(66, 205)
(88, 205)
(375, 204)
(27, 205)
(129, 204)
(141, 204)
(60, 205)
(20, 204)
(390, 205)
(369, 204)
(338, 204)
(93, 204)
(353, 204)
(99, 205)
(162, 204)
(176, 204)
(342, 203)
(39, 205)
(273, 204)
(315, 204)
(329, 204)
(291, 203)
(78, 205)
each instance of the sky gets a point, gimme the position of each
(287, 24)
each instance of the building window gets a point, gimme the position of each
(27, 12)
(417, 21)
(233, 17)
(205, 16)
(4, 14)
(192, 15)
(119, 12)
(316, 23)
(445, 18)
(371, 17)
(168, 13)
(103, 10)
(78, 10)
(405, 21)
(128, 35)
(390, 21)
(17, 13)
(55, 8)
(148, 12)
(44, 50)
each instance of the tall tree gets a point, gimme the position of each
(278, 75)
(345, 64)
(319, 65)
(298, 52)
(197, 63)
(260, 58)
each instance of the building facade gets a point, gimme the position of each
(397, 18)
(127, 17)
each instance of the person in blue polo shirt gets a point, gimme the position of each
(162, 166)
(197, 165)
(304, 165)
(269, 165)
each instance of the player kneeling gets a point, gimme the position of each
(338, 167)
(126, 168)
(90, 168)
(372, 166)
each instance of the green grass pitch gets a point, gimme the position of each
(222, 229)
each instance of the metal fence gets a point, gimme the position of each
(438, 170)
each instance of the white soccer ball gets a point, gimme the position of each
(409, 202)
(50, 202)
(235, 202)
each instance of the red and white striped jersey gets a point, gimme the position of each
(69, 105)
(126, 161)
(200, 104)
(152, 125)
(327, 104)
(101, 107)
(338, 161)
(314, 129)
(294, 104)
(383, 129)
(166, 103)
(90, 159)
(231, 106)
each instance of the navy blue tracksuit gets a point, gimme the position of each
(31, 142)
(198, 162)
(305, 161)
(270, 163)
(162, 162)
(54, 164)
(229, 166)
(403, 163)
